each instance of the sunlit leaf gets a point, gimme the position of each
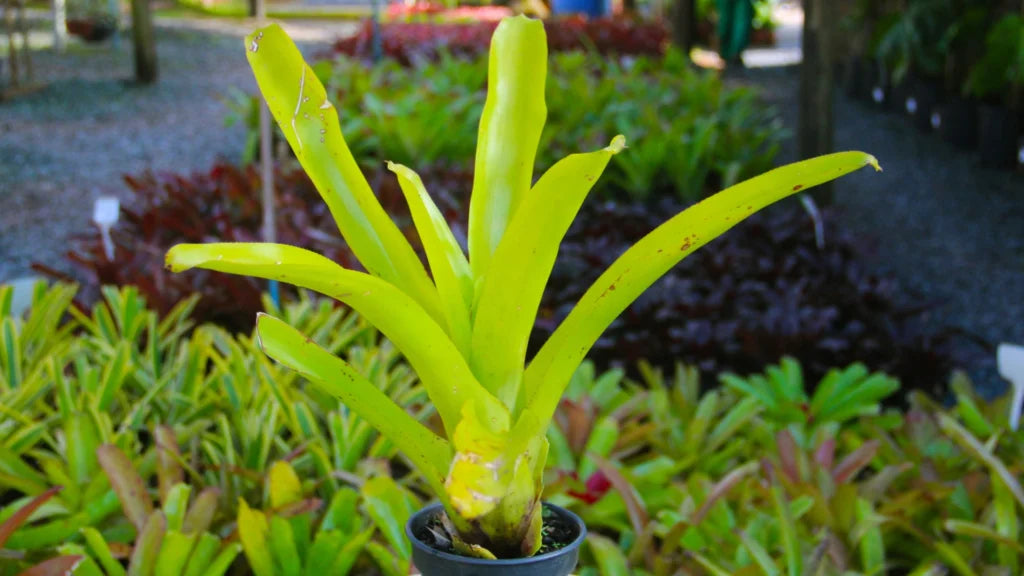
(309, 122)
(655, 254)
(510, 128)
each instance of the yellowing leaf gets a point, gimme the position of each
(253, 531)
(285, 486)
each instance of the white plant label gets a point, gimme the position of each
(1010, 359)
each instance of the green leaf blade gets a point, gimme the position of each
(510, 127)
(430, 453)
(447, 261)
(309, 122)
(512, 289)
(433, 356)
(655, 254)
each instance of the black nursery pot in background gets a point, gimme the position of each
(997, 136)
(861, 78)
(561, 561)
(960, 122)
(924, 100)
(897, 96)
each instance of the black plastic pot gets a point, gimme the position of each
(861, 77)
(923, 102)
(997, 136)
(897, 97)
(433, 562)
(960, 123)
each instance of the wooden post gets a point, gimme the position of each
(60, 27)
(144, 41)
(817, 79)
(684, 24)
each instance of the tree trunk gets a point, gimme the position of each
(684, 24)
(817, 78)
(144, 41)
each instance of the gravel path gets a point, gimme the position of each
(62, 147)
(944, 226)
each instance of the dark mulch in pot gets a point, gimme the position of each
(557, 533)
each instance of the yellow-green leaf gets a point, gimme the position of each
(654, 255)
(309, 122)
(253, 531)
(443, 371)
(430, 453)
(480, 473)
(447, 261)
(510, 128)
(610, 559)
(285, 486)
(390, 507)
(513, 287)
(147, 545)
(980, 452)
(174, 553)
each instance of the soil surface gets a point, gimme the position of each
(557, 533)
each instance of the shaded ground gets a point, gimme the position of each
(62, 147)
(944, 226)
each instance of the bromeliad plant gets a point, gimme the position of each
(464, 328)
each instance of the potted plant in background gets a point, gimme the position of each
(996, 81)
(913, 49)
(90, 20)
(464, 328)
(860, 27)
(957, 118)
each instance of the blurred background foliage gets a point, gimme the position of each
(179, 448)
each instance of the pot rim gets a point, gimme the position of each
(472, 561)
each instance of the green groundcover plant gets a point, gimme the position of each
(770, 473)
(465, 330)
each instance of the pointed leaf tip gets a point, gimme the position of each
(182, 257)
(618, 144)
